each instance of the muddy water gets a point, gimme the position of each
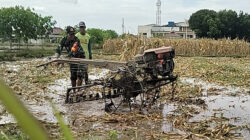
(90, 108)
(42, 110)
(232, 103)
(166, 126)
(207, 86)
(237, 108)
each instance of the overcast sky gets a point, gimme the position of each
(108, 14)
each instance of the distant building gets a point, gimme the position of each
(54, 37)
(172, 30)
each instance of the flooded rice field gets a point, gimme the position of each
(218, 112)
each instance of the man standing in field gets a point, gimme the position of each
(74, 49)
(86, 44)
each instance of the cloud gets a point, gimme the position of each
(70, 1)
(40, 9)
(108, 14)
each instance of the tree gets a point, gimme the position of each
(123, 35)
(109, 34)
(99, 35)
(20, 23)
(243, 26)
(96, 34)
(214, 31)
(225, 23)
(228, 22)
(45, 25)
(6, 22)
(200, 20)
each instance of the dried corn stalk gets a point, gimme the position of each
(130, 46)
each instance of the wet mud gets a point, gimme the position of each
(232, 104)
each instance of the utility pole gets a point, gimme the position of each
(123, 26)
(186, 22)
(158, 12)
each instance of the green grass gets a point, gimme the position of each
(113, 135)
(215, 70)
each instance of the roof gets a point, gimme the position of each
(163, 49)
(178, 24)
(182, 24)
(152, 25)
(57, 31)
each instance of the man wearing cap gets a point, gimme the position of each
(85, 43)
(74, 49)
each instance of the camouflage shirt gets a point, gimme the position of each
(68, 44)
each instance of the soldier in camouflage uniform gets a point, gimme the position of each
(74, 49)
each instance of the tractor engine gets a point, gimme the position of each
(157, 61)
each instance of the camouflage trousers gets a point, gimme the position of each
(78, 71)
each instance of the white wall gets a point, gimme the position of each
(38, 41)
(165, 29)
(149, 30)
(145, 29)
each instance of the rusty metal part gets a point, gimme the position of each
(112, 65)
(160, 50)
